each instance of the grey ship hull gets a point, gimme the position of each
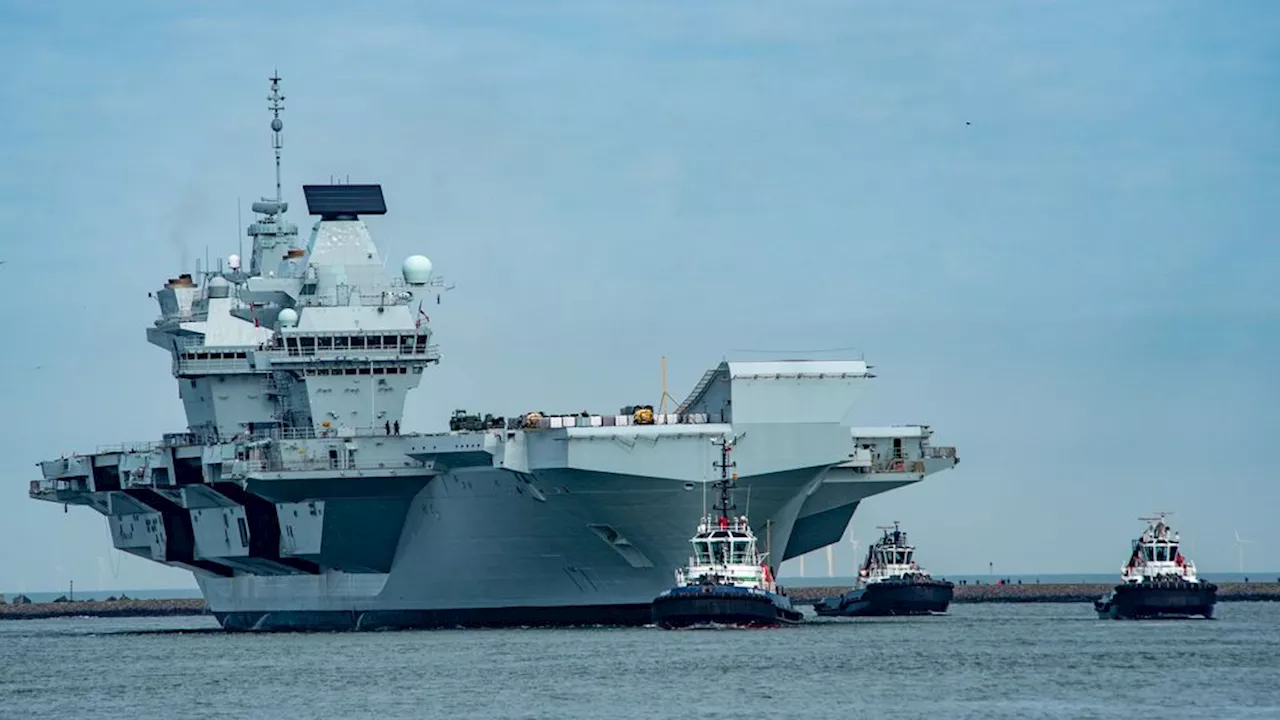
(480, 548)
(461, 529)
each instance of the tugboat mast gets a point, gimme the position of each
(724, 484)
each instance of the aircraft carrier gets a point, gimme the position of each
(299, 502)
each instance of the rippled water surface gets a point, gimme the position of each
(981, 661)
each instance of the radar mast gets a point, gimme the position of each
(273, 236)
(275, 103)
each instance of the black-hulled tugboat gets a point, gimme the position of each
(890, 583)
(1158, 581)
(728, 582)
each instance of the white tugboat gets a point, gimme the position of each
(728, 581)
(890, 583)
(1158, 581)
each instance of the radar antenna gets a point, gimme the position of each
(1157, 520)
(275, 103)
(895, 538)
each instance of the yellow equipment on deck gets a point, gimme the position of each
(643, 415)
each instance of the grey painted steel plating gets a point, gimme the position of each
(294, 498)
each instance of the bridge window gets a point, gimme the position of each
(244, 532)
(723, 552)
(702, 552)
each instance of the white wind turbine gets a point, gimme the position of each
(1240, 543)
(831, 556)
(853, 543)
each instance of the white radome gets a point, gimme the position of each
(234, 262)
(288, 317)
(416, 270)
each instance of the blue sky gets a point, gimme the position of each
(1050, 225)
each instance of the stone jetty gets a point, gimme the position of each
(1047, 593)
(103, 608)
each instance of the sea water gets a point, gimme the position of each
(979, 661)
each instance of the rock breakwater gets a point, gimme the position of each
(103, 608)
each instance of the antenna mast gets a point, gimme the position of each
(275, 103)
(726, 481)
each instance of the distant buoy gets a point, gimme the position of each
(416, 270)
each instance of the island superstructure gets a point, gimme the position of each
(298, 500)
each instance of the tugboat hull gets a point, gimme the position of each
(890, 597)
(721, 605)
(1145, 600)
